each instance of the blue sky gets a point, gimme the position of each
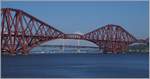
(71, 17)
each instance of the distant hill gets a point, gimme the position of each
(138, 48)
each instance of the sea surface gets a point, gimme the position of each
(75, 65)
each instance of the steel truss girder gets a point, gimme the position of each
(21, 32)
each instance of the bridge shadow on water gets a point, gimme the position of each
(76, 66)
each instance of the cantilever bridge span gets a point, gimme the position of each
(21, 32)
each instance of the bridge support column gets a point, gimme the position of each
(100, 49)
(13, 52)
(116, 47)
(24, 52)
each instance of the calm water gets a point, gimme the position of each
(76, 65)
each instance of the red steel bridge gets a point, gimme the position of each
(20, 32)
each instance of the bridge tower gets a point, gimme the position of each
(112, 38)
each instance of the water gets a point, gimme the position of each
(76, 66)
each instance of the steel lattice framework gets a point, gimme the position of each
(21, 32)
(112, 38)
